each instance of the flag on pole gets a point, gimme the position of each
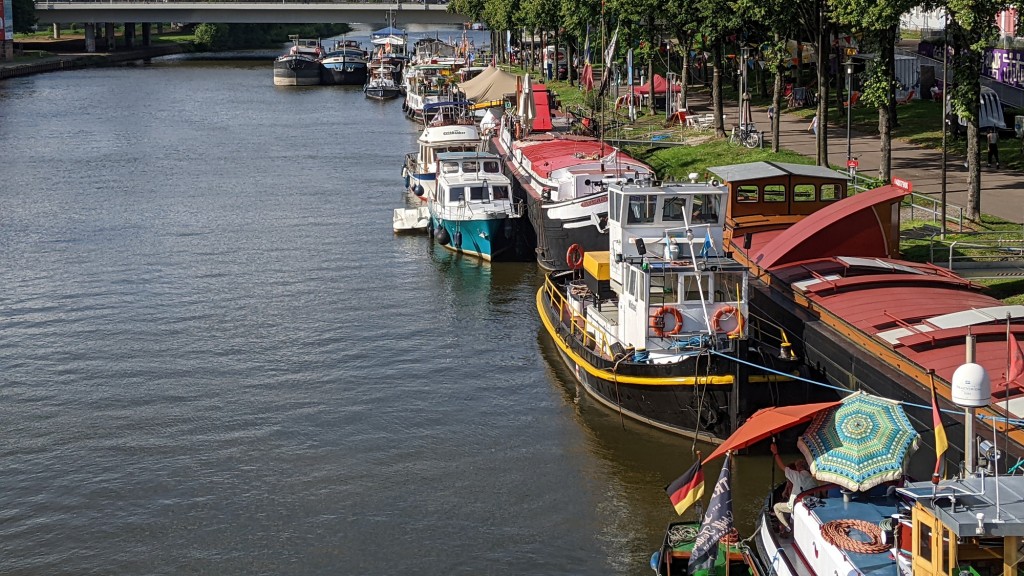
(609, 53)
(687, 489)
(1016, 365)
(587, 77)
(941, 444)
(586, 47)
(709, 245)
(717, 523)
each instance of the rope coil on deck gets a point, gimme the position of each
(681, 534)
(837, 533)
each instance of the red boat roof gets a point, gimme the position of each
(542, 121)
(546, 157)
(851, 227)
(918, 311)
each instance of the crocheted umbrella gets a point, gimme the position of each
(863, 442)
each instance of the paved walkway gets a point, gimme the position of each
(1002, 192)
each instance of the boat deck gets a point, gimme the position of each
(873, 510)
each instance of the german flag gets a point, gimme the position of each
(687, 489)
(941, 444)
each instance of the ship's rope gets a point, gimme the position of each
(837, 533)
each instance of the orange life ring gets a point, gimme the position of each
(730, 310)
(574, 257)
(658, 321)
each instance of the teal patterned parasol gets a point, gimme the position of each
(863, 442)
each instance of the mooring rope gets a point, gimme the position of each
(837, 533)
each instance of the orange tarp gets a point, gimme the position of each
(766, 422)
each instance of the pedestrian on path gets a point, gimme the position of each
(993, 146)
(813, 126)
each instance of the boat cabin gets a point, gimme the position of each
(474, 177)
(963, 526)
(766, 196)
(674, 283)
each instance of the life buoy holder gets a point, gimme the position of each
(728, 311)
(574, 257)
(658, 321)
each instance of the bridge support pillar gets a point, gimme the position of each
(6, 50)
(147, 34)
(90, 37)
(111, 41)
(56, 31)
(129, 35)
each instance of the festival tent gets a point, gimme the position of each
(389, 31)
(473, 83)
(494, 86)
(660, 86)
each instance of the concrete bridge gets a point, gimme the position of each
(285, 12)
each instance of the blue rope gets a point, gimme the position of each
(1014, 421)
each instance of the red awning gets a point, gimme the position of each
(766, 422)
(541, 122)
(660, 86)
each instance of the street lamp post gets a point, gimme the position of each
(849, 111)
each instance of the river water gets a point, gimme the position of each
(217, 358)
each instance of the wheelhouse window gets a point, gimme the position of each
(450, 167)
(492, 166)
(673, 210)
(693, 286)
(830, 192)
(641, 210)
(456, 193)
(470, 167)
(616, 203)
(664, 289)
(499, 192)
(747, 193)
(803, 193)
(775, 193)
(706, 208)
(478, 193)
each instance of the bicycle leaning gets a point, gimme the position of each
(747, 135)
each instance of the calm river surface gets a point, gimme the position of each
(216, 358)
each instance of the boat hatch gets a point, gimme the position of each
(876, 264)
(953, 320)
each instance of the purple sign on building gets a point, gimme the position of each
(1006, 66)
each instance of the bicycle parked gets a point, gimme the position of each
(747, 135)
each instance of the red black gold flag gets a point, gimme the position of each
(687, 489)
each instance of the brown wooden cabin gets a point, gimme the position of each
(766, 196)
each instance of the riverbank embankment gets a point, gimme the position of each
(75, 60)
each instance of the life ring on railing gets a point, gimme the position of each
(724, 311)
(574, 257)
(658, 321)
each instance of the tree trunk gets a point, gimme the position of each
(777, 102)
(822, 53)
(886, 113)
(716, 88)
(684, 74)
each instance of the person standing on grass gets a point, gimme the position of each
(993, 146)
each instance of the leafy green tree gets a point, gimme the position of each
(880, 21)
(212, 36)
(972, 29)
(24, 14)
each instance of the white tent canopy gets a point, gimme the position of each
(494, 86)
(389, 40)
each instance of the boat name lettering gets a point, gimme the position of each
(451, 132)
(593, 201)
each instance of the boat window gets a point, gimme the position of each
(492, 167)
(830, 192)
(456, 193)
(616, 202)
(705, 208)
(803, 193)
(478, 193)
(450, 167)
(692, 287)
(641, 209)
(924, 542)
(470, 167)
(631, 283)
(674, 209)
(499, 192)
(746, 193)
(728, 287)
(663, 289)
(774, 193)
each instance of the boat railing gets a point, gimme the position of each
(592, 336)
